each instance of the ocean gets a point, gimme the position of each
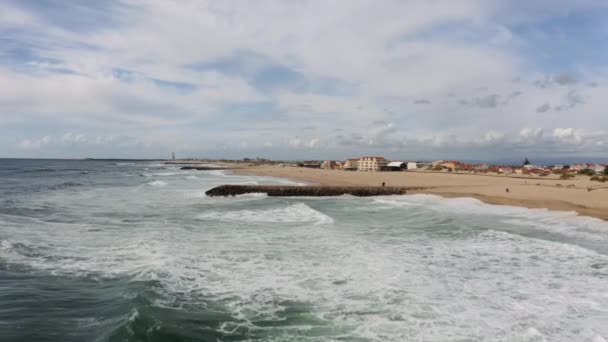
(134, 251)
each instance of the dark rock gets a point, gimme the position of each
(316, 191)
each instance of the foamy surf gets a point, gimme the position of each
(157, 183)
(131, 262)
(295, 213)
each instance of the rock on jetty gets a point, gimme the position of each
(291, 190)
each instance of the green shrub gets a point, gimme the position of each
(601, 179)
(566, 176)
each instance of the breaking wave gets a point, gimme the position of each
(121, 260)
(157, 183)
(295, 213)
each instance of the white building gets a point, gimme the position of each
(412, 165)
(371, 163)
(328, 165)
(350, 164)
(396, 166)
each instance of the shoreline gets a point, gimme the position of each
(529, 192)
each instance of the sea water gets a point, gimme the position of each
(114, 251)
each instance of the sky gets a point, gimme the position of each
(298, 79)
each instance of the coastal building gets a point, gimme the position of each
(531, 167)
(506, 170)
(396, 166)
(412, 165)
(599, 168)
(581, 166)
(480, 167)
(310, 164)
(452, 165)
(371, 163)
(424, 165)
(351, 164)
(328, 164)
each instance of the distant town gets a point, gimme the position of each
(376, 163)
(597, 171)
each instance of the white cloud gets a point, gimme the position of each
(295, 142)
(28, 144)
(78, 140)
(568, 135)
(531, 133)
(162, 74)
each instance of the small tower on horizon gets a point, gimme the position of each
(172, 155)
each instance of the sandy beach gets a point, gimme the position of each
(532, 192)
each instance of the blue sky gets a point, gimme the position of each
(472, 79)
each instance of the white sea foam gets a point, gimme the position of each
(254, 195)
(295, 213)
(397, 281)
(218, 173)
(157, 183)
(166, 174)
(563, 222)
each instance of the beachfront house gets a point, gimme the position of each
(481, 167)
(351, 164)
(581, 166)
(412, 165)
(371, 163)
(452, 165)
(328, 164)
(311, 164)
(506, 170)
(396, 166)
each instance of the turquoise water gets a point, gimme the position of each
(114, 251)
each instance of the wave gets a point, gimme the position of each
(64, 185)
(263, 269)
(295, 213)
(567, 223)
(166, 174)
(124, 164)
(157, 183)
(220, 173)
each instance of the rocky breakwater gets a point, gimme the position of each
(316, 191)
